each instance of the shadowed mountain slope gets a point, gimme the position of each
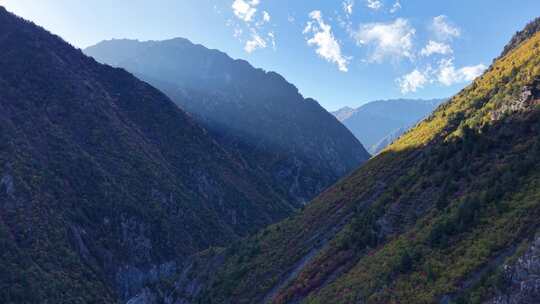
(104, 181)
(258, 115)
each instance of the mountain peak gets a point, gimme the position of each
(256, 113)
(378, 123)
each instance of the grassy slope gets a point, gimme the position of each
(417, 221)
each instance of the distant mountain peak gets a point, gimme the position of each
(376, 124)
(343, 113)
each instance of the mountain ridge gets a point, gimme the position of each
(257, 114)
(448, 213)
(376, 124)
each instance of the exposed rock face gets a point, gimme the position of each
(528, 98)
(522, 279)
(285, 138)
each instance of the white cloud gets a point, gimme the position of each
(374, 4)
(393, 39)
(445, 74)
(252, 27)
(443, 29)
(245, 10)
(348, 6)
(434, 47)
(470, 73)
(266, 16)
(256, 42)
(291, 19)
(396, 7)
(272, 38)
(448, 75)
(323, 38)
(412, 81)
(237, 33)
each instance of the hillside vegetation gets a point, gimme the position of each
(288, 140)
(432, 219)
(104, 181)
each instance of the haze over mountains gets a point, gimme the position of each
(257, 114)
(378, 123)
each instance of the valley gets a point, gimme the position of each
(166, 172)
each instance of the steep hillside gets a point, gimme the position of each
(449, 213)
(522, 36)
(378, 123)
(257, 114)
(104, 181)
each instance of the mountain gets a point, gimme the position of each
(258, 115)
(388, 139)
(448, 213)
(104, 182)
(376, 124)
(344, 113)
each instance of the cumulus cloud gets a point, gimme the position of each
(396, 7)
(374, 4)
(326, 44)
(444, 29)
(256, 42)
(434, 47)
(266, 16)
(245, 10)
(448, 75)
(445, 74)
(252, 27)
(393, 39)
(348, 6)
(413, 81)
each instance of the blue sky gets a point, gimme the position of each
(342, 52)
